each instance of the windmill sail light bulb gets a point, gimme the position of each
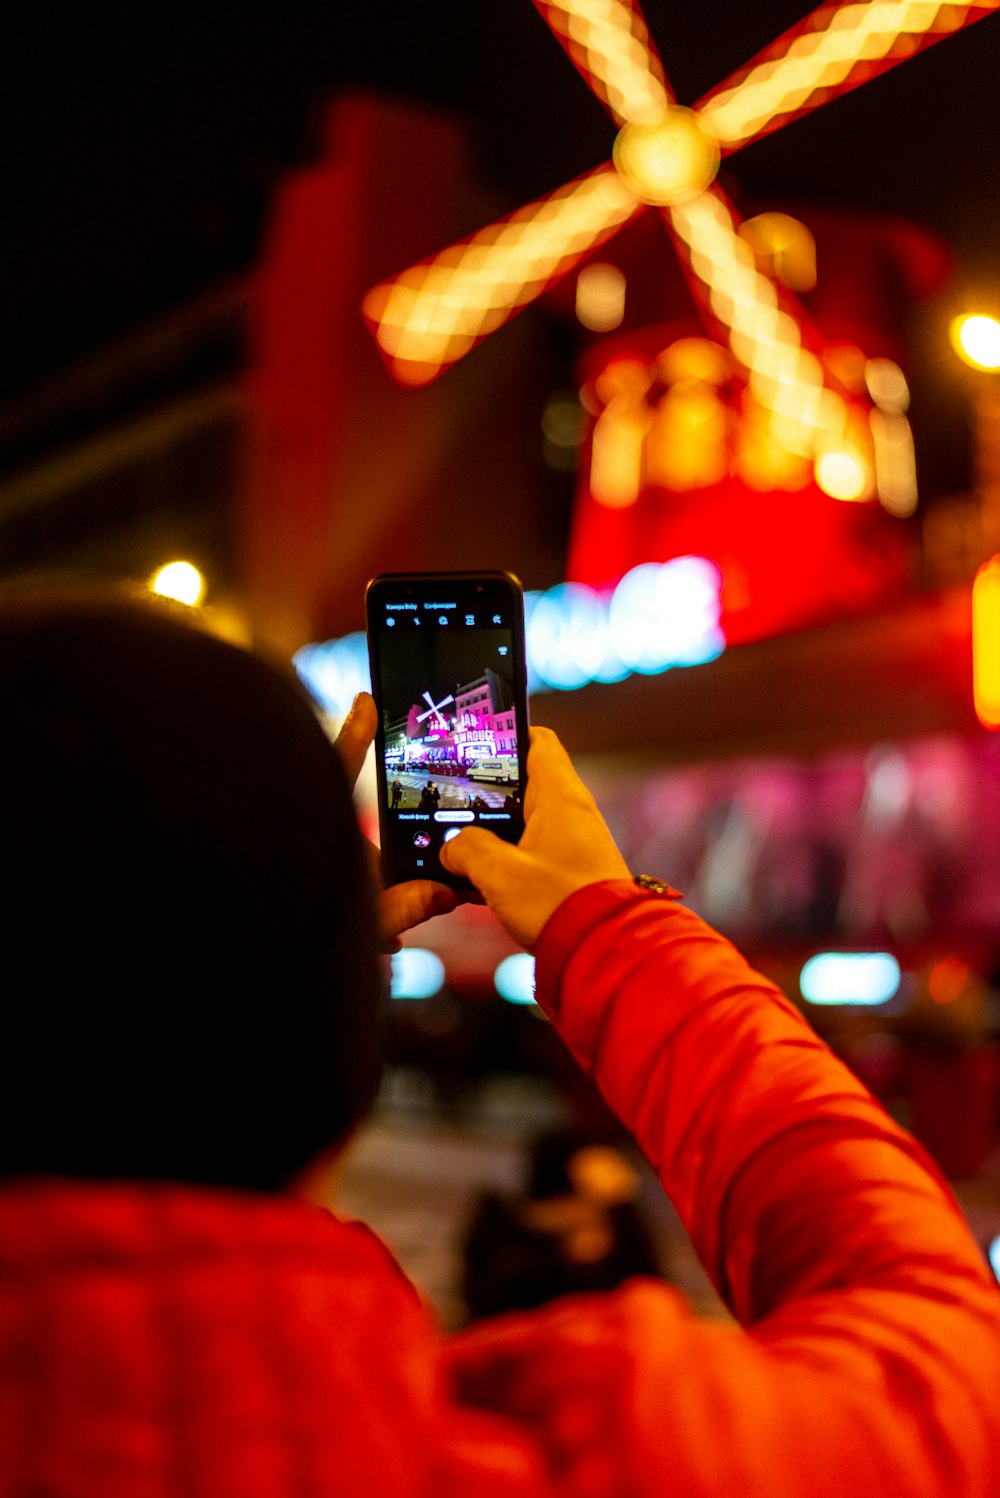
(434, 313)
(609, 43)
(855, 36)
(669, 161)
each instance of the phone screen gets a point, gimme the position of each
(448, 674)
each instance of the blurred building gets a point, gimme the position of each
(253, 430)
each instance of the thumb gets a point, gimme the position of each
(356, 735)
(507, 879)
(480, 856)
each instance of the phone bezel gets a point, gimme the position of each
(402, 583)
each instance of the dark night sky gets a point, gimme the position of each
(140, 144)
(439, 662)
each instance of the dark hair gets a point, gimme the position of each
(189, 986)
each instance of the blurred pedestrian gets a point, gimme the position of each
(576, 1227)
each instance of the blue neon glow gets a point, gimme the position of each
(660, 615)
(514, 979)
(335, 672)
(666, 615)
(568, 640)
(993, 1254)
(416, 974)
(850, 978)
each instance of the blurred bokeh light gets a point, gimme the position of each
(179, 580)
(976, 338)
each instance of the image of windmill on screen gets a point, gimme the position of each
(449, 718)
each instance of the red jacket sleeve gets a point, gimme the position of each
(872, 1360)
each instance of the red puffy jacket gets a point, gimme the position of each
(159, 1341)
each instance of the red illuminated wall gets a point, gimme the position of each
(897, 844)
(789, 557)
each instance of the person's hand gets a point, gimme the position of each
(566, 845)
(402, 906)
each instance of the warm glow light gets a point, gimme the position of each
(785, 378)
(887, 385)
(948, 980)
(692, 434)
(179, 580)
(977, 340)
(862, 978)
(433, 314)
(986, 643)
(617, 453)
(783, 248)
(895, 462)
(694, 359)
(687, 446)
(600, 297)
(669, 161)
(618, 439)
(608, 41)
(842, 475)
(840, 41)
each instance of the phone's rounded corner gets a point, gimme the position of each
(513, 579)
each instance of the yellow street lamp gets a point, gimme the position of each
(975, 338)
(179, 580)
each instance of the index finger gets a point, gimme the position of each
(549, 769)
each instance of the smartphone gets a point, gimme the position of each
(450, 683)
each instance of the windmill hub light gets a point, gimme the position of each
(667, 162)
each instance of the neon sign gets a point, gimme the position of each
(474, 736)
(660, 615)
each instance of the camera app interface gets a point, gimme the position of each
(450, 724)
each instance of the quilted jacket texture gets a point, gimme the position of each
(161, 1341)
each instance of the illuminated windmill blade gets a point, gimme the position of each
(608, 42)
(831, 52)
(764, 327)
(429, 316)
